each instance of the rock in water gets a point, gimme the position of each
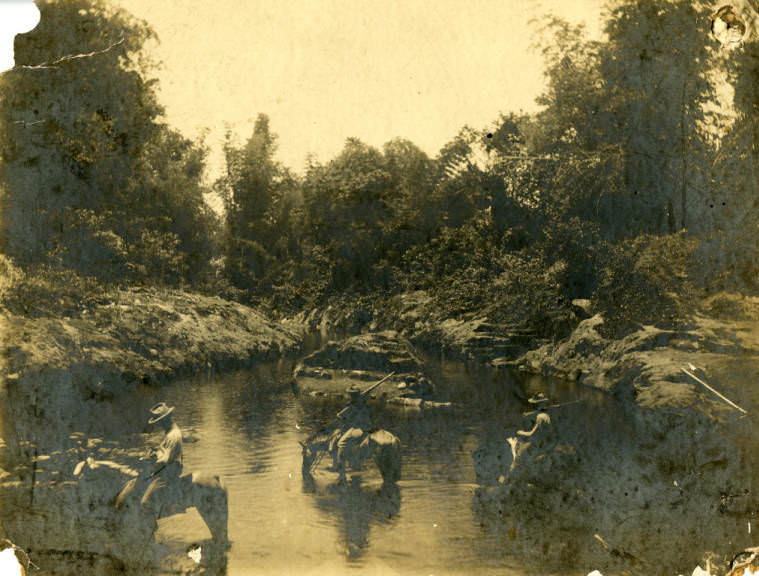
(361, 360)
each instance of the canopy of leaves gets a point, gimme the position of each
(92, 178)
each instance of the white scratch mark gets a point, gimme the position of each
(68, 58)
(195, 553)
(9, 564)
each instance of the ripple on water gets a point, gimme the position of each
(242, 427)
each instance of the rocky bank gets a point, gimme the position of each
(56, 365)
(365, 358)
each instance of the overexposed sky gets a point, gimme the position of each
(325, 70)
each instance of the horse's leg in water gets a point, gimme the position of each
(331, 447)
(128, 493)
(210, 499)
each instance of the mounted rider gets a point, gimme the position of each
(166, 467)
(354, 422)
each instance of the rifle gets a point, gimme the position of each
(339, 414)
(365, 392)
(531, 412)
(712, 390)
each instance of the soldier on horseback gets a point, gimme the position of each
(354, 422)
(352, 441)
(165, 467)
(167, 458)
(161, 489)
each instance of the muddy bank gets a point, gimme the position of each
(54, 367)
(646, 367)
(362, 360)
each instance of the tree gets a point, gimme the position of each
(260, 195)
(414, 216)
(654, 69)
(92, 179)
(347, 203)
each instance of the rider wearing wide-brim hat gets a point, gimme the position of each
(354, 393)
(160, 412)
(355, 422)
(167, 458)
(357, 412)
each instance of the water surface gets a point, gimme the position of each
(246, 427)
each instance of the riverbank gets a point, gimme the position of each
(642, 367)
(58, 364)
(720, 343)
(417, 316)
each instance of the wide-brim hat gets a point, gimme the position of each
(354, 391)
(160, 411)
(538, 398)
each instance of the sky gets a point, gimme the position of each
(326, 70)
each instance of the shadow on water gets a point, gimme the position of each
(355, 507)
(456, 509)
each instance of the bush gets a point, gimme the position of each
(646, 281)
(529, 291)
(49, 290)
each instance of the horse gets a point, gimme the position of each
(381, 446)
(494, 463)
(205, 492)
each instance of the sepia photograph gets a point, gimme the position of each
(382, 287)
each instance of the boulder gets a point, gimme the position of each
(360, 361)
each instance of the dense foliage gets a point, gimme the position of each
(635, 185)
(93, 181)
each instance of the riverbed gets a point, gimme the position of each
(246, 426)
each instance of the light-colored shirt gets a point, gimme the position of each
(169, 453)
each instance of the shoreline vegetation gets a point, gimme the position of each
(73, 363)
(608, 239)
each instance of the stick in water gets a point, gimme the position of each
(697, 379)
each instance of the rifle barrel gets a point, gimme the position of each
(373, 386)
(365, 392)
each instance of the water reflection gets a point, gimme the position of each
(249, 431)
(356, 507)
(449, 514)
